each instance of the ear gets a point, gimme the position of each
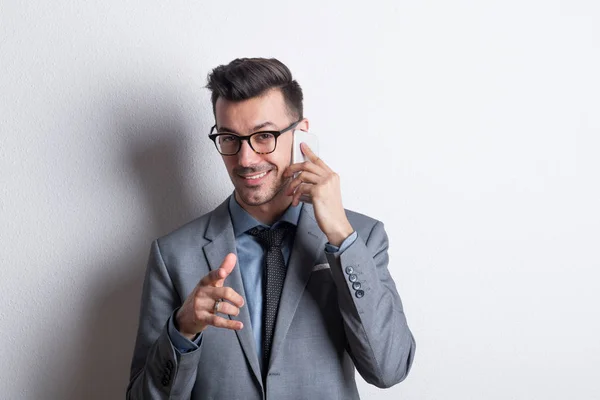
(303, 125)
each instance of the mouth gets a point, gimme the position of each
(256, 178)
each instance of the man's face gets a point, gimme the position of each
(257, 178)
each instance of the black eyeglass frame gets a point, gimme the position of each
(276, 134)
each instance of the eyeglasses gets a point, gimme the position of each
(263, 142)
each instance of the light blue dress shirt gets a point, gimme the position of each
(251, 259)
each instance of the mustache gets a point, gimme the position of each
(254, 169)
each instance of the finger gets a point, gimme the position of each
(227, 293)
(296, 198)
(217, 277)
(305, 166)
(309, 177)
(220, 322)
(302, 191)
(207, 304)
(212, 277)
(227, 265)
(291, 189)
(303, 177)
(227, 308)
(312, 156)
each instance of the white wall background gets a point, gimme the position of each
(472, 128)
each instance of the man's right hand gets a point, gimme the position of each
(198, 310)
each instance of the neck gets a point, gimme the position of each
(269, 212)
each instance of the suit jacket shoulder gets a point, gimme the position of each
(363, 224)
(188, 240)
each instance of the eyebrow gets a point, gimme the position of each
(254, 129)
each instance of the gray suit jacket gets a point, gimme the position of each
(323, 329)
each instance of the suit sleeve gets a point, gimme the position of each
(379, 340)
(158, 369)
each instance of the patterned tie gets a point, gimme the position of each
(275, 270)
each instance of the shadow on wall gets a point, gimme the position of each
(157, 160)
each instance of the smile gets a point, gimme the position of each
(255, 177)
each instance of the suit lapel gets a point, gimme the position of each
(222, 242)
(309, 242)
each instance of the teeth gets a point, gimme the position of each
(256, 176)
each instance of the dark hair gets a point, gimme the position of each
(244, 78)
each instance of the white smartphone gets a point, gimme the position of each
(303, 137)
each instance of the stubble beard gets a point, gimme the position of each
(261, 195)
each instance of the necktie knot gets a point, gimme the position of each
(270, 238)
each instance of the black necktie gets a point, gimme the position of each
(275, 270)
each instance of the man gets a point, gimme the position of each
(267, 297)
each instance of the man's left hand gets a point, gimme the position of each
(322, 185)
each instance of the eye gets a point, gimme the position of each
(264, 136)
(227, 138)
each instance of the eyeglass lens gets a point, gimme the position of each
(261, 142)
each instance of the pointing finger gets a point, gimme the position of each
(217, 277)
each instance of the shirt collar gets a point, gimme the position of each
(242, 221)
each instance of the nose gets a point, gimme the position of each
(246, 156)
